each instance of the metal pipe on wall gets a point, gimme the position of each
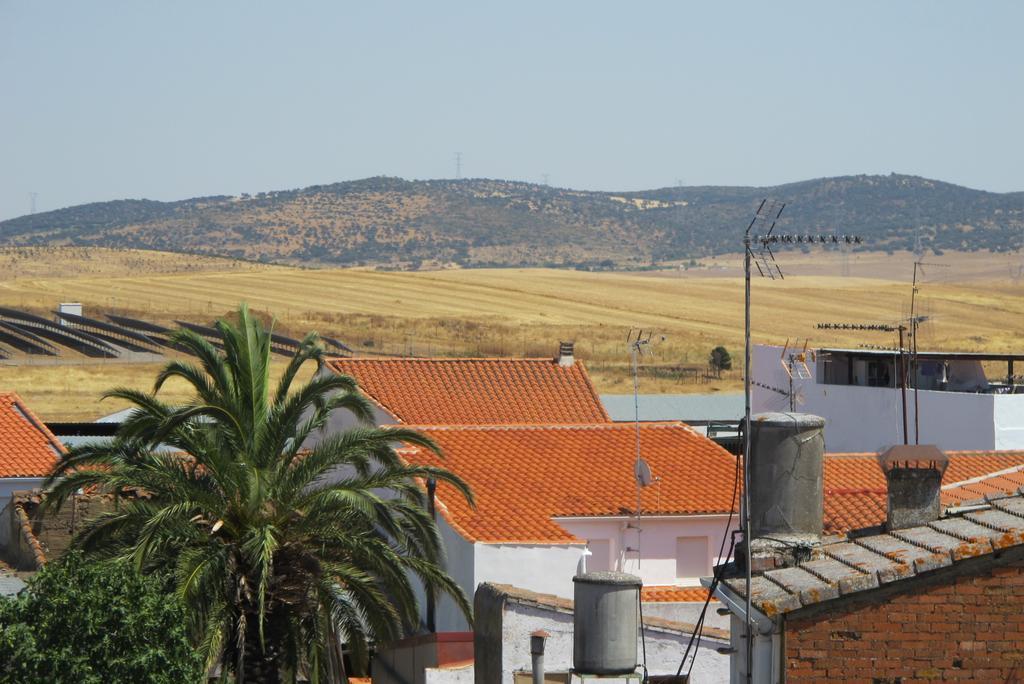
(537, 640)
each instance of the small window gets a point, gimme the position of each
(601, 560)
(879, 374)
(692, 559)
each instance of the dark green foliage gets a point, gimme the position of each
(278, 552)
(720, 360)
(94, 623)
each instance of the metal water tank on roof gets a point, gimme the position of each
(605, 623)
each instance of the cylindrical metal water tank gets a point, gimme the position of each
(605, 623)
(786, 474)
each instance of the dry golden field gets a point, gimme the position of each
(975, 303)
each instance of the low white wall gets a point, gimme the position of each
(870, 419)
(657, 538)
(543, 568)
(664, 649)
(449, 675)
(688, 613)
(1009, 421)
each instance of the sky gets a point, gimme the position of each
(109, 100)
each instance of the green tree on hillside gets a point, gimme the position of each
(278, 554)
(720, 360)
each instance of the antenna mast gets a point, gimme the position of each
(458, 165)
(915, 321)
(883, 327)
(767, 215)
(638, 344)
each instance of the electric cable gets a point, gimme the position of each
(717, 573)
(643, 636)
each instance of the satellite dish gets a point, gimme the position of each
(642, 471)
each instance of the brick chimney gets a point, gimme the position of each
(565, 357)
(914, 477)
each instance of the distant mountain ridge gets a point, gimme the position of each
(396, 223)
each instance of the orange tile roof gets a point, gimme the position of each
(673, 594)
(477, 391)
(524, 475)
(27, 447)
(855, 489)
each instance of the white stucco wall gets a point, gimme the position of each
(657, 537)
(687, 612)
(664, 649)
(1009, 421)
(870, 419)
(461, 564)
(449, 675)
(545, 569)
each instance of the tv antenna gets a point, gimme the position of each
(794, 396)
(901, 327)
(760, 234)
(1016, 275)
(794, 363)
(844, 249)
(458, 165)
(640, 342)
(918, 247)
(915, 321)
(32, 196)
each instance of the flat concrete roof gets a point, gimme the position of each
(929, 355)
(689, 408)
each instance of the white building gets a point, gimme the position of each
(962, 401)
(554, 475)
(546, 493)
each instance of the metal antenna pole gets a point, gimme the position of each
(915, 322)
(913, 352)
(635, 353)
(903, 383)
(768, 213)
(745, 518)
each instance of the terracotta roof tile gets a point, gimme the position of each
(867, 563)
(525, 475)
(477, 391)
(855, 490)
(673, 594)
(27, 447)
(998, 483)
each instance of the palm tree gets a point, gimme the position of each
(279, 552)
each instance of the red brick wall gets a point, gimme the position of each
(968, 629)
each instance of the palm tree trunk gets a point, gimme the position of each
(260, 666)
(335, 660)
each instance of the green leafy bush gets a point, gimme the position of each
(95, 624)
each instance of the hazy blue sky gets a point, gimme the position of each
(107, 100)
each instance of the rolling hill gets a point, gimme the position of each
(394, 223)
